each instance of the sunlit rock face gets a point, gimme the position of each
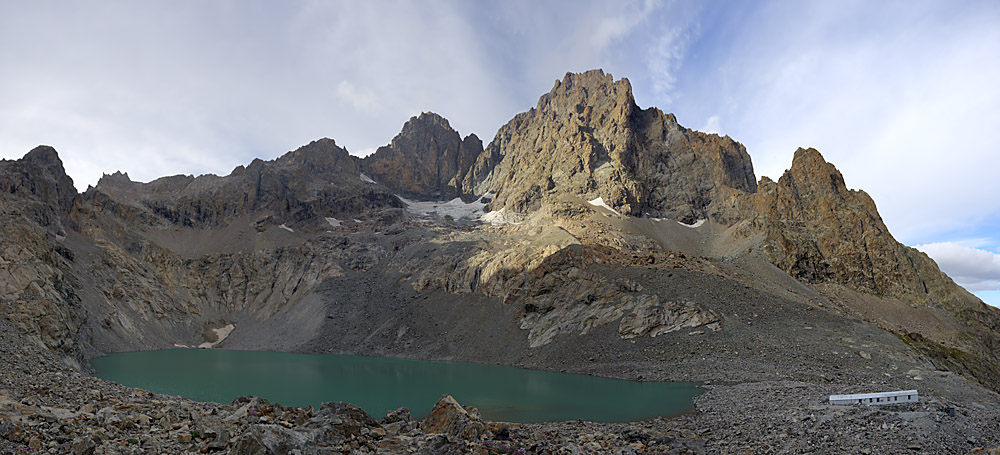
(587, 137)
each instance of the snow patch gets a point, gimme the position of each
(333, 221)
(693, 225)
(455, 208)
(366, 179)
(221, 334)
(599, 202)
(286, 228)
(495, 218)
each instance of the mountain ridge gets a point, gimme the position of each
(589, 236)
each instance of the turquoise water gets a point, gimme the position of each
(378, 384)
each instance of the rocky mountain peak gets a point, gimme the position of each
(816, 178)
(427, 160)
(424, 121)
(46, 157)
(818, 230)
(118, 178)
(39, 176)
(319, 156)
(808, 162)
(591, 91)
(588, 138)
(43, 155)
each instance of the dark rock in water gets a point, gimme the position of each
(449, 417)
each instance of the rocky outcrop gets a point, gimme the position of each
(587, 137)
(38, 183)
(560, 293)
(449, 417)
(427, 160)
(819, 231)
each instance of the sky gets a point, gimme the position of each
(902, 96)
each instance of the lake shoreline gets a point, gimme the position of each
(380, 384)
(68, 412)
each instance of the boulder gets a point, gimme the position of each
(450, 418)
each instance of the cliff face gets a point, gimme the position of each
(40, 184)
(818, 230)
(427, 160)
(587, 137)
(38, 291)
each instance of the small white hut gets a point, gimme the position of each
(878, 398)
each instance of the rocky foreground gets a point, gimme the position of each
(47, 407)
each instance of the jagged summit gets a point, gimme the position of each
(118, 178)
(427, 160)
(40, 180)
(587, 137)
(43, 155)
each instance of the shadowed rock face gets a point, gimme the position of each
(316, 180)
(40, 183)
(427, 160)
(587, 137)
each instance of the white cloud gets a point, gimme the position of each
(612, 27)
(713, 125)
(156, 89)
(899, 96)
(973, 268)
(361, 99)
(664, 61)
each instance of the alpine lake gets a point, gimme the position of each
(379, 384)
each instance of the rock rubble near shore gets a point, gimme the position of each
(47, 407)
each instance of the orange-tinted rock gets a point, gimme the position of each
(449, 417)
